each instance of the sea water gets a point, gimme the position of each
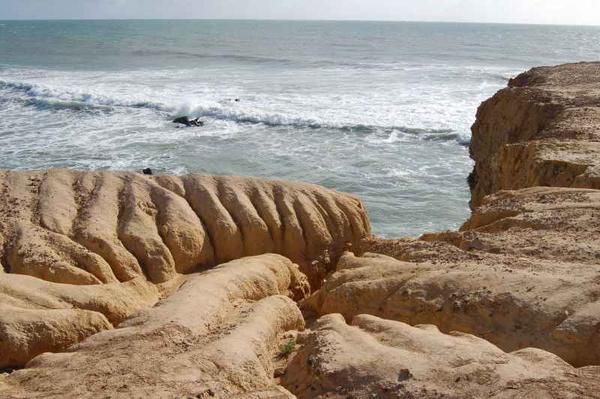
(378, 109)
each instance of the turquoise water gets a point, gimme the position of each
(382, 110)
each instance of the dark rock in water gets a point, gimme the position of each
(472, 180)
(237, 100)
(184, 120)
(147, 171)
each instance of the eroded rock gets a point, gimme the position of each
(99, 227)
(215, 337)
(512, 303)
(82, 251)
(523, 270)
(37, 316)
(543, 130)
(376, 358)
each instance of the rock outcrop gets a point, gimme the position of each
(506, 307)
(376, 358)
(82, 251)
(513, 302)
(88, 228)
(37, 316)
(543, 130)
(217, 336)
(523, 270)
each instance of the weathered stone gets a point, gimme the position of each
(216, 336)
(376, 358)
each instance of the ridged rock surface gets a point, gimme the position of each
(217, 336)
(376, 358)
(81, 251)
(514, 303)
(88, 228)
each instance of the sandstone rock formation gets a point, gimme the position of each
(376, 358)
(512, 302)
(82, 251)
(543, 130)
(523, 270)
(117, 271)
(102, 227)
(217, 336)
(38, 316)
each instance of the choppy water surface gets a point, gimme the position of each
(382, 110)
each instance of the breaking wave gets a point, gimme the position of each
(52, 99)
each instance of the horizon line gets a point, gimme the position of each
(302, 20)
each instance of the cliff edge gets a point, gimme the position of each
(542, 130)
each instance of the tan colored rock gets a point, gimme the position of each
(523, 270)
(99, 227)
(84, 252)
(37, 316)
(543, 130)
(91, 246)
(512, 302)
(377, 358)
(549, 223)
(217, 336)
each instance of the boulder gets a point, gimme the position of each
(184, 120)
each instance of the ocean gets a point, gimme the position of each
(379, 109)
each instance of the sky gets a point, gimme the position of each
(566, 12)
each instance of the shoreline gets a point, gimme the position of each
(519, 280)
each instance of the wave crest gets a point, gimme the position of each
(45, 98)
(51, 99)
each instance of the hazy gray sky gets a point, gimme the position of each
(517, 11)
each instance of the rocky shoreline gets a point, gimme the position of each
(156, 286)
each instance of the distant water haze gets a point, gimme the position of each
(381, 110)
(562, 12)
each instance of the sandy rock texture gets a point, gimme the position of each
(542, 130)
(37, 316)
(81, 251)
(514, 303)
(523, 270)
(118, 271)
(377, 358)
(86, 228)
(217, 336)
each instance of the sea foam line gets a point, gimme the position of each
(45, 98)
